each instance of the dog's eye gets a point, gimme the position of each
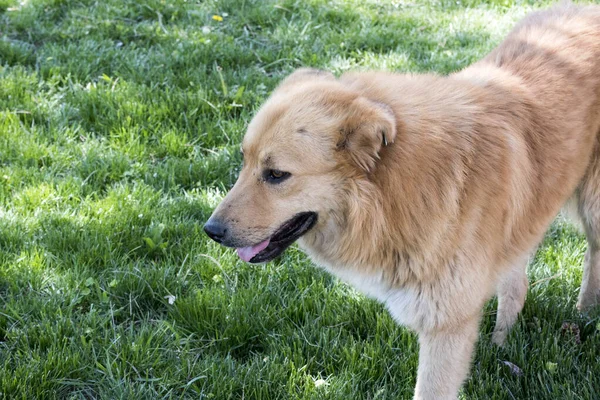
(275, 175)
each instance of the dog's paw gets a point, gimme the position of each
(499, 337)
(588, 299)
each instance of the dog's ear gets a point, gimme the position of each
(368, 127)
(304, 75)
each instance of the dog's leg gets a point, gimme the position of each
(588, 201)
(589, 294)
(512, 290)
(444, 361)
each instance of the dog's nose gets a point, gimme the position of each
(215, 229)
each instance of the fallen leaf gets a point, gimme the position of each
(514, 369)
(551, 367)
(571, 329)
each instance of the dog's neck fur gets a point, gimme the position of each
(362, 240)
(425, 196)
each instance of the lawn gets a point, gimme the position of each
(120, 125)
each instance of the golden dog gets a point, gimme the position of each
(429, 193)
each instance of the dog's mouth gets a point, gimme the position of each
(287, 234)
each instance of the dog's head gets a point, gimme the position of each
(312, 134)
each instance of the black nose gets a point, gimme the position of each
(215, 230)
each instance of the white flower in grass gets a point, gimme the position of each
(170, 299)
(320, 382)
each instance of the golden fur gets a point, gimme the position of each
(431, 191)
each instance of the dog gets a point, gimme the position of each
(429, 193)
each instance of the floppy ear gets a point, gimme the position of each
(304, 75)
(369, 126)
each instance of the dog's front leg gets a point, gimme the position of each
(444, 360)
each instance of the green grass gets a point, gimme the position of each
(120, 123)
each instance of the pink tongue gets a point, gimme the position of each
(247, 253)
